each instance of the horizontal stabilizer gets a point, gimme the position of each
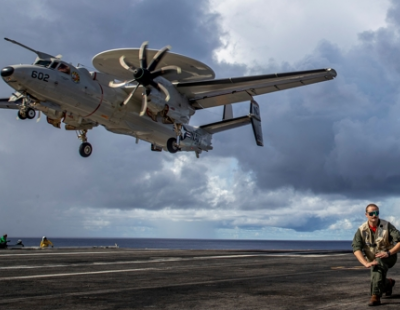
(226, 124)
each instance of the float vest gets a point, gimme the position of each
(375, 242)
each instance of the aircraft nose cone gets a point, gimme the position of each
(7, 71)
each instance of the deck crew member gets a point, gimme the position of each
(374, 247)
(45, 242)
(3, 241)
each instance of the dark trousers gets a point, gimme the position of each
(379, 282)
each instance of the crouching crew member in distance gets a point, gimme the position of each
(45, 242)
(373, 245)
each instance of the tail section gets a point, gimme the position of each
(228, 122)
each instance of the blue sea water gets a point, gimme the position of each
(191, 244)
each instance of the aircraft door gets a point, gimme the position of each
(67, 84)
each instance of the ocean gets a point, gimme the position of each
(190, 244)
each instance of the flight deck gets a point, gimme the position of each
(115, 278)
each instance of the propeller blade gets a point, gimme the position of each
(143, 55)
(165, 91)
(157, 58)
(130, 95)
(166, 70)
(144, 104)
(112, 84)
(39, 116)
(125, 64)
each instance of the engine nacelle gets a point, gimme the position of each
(156, 101)
(177, 109)
(195, 139)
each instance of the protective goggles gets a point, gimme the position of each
(376, 213)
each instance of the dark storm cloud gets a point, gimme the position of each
(335, 137)
(152, 189)
(79, 30)
(40, 164)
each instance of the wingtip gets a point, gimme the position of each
(332, 72)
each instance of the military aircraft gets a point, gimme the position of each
(151, 101)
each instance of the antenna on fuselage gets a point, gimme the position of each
(41, 55)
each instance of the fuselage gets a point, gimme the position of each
(79, 94)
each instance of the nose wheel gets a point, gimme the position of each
(85, 149)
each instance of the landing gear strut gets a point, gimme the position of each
(173, 143)
(85, 149)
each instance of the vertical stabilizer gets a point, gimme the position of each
(256, 122)
(228, 113)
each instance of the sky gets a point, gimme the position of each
(329, 148)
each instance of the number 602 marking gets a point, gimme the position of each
(40, 76)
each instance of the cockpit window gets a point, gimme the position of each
(43, 63)
(64, 69)
(54, 65)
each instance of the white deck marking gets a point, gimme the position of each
(78, 273)
(227, 256)
(170, 285)
(311, 255)
(160, 260)
(127, 262)
(48, 253)
(151, 261)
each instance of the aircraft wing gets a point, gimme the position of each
(5, 104)
(212, 93)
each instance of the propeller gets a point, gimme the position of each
(145, 74)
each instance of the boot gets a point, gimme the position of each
(390, 288)
(375, 300)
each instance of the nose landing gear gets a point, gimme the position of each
(85, 149)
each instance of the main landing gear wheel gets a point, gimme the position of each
(85, 149)
(21, 115)
(30, 113)
(172, 146)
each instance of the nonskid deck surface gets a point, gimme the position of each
(184, 279)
